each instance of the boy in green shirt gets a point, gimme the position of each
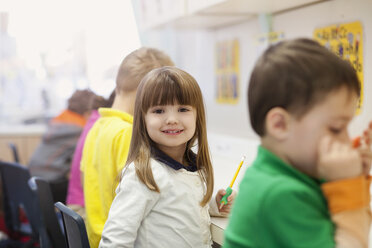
(301, 98)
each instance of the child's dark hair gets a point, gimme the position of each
(295, 75)
(80, 101)
(101, 102)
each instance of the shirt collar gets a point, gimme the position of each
(110, 112)
(268, 161)
(165, 159)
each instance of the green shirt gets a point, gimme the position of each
(278, 206)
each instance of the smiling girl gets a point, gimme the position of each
(164, 197)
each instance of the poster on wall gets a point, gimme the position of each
(227, 72)
(264, 40)
(346, 40)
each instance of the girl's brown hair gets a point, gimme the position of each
(163, 86)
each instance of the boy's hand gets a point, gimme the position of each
(226, 208)
(365, 149)
(337, 160)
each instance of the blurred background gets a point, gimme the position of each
(50, 48)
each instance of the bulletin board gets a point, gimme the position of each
(346, 40)
(227, 72)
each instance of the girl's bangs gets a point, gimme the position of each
(169, 91)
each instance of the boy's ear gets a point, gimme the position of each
(277, 123)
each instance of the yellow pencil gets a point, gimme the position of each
(229, 189)
(237, 172)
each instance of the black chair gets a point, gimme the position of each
(14, 149)
(41, 188)
(76, 234)
(17, 194)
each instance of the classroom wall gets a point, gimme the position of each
(230, 134)
(193, 50)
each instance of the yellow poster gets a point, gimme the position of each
(263, 40)
(346, 40)
(227, 72)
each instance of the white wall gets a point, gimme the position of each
(230, 134)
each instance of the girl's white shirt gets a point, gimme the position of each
(172, 218)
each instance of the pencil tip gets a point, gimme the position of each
(221, 206)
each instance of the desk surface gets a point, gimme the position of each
(218, 226)
(226, 155)
(22, 130)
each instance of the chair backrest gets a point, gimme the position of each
(76, 234)
(42, 189)
(14, 149)
(17, 193)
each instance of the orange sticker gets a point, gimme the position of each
(356, 142)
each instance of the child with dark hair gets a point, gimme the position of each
(52, 158)
(75, 193)
(307, 187)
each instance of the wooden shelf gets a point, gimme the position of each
(25, 137)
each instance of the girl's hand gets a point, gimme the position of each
(338, 160)
(365, 149)
(226, 208)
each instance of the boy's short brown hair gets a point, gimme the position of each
(295, 75)
(137, 64)
(80, 101)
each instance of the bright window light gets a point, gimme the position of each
(62, 46)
